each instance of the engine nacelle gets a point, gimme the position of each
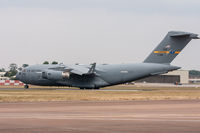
(55, 75)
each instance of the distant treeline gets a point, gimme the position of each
(194, 74)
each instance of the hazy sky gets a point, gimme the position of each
(102, 31)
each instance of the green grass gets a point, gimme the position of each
(52, 94)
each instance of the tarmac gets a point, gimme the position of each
(101, 117)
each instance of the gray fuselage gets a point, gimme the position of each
(96, 76)
(105, 75)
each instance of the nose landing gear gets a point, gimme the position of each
(26, 86)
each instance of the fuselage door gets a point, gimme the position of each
(44, 75)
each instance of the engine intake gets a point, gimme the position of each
(55, 75)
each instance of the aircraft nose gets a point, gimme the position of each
(18, 76)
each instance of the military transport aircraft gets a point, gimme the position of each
(96, 76)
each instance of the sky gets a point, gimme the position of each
(87, 31)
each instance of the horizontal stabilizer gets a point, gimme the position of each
(184, 34)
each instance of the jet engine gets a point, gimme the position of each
(55, 75)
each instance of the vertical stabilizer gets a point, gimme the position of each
(170, 47)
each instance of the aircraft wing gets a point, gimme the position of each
(77, 69)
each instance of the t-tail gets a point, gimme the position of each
(170, 47)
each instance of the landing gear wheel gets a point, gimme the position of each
(26, 86)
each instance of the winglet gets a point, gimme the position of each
(92, 68)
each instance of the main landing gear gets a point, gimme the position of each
(26, 86)
(89, 88)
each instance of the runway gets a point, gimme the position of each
(101, 117)
(126, 89)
